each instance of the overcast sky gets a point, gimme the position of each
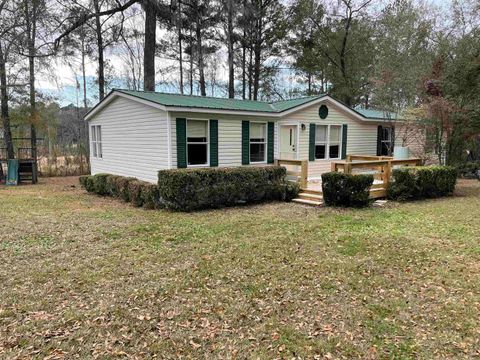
(61, 83)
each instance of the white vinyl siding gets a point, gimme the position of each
(229, 135)
(134, 140)
(361, 136)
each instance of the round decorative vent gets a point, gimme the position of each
(323, 111)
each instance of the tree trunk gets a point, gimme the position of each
(250, 73)
(84, 77)
(201, 65)
(343, 64)
(244, 78)
(231, 74)
(244, 52)
(180, 50)
(7, 132)
(257, 52)
(84, 133)
(191, 63)
(150, 45)
(31, 19)
(309, 81)
(101, 64)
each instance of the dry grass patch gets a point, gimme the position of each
(92, 277)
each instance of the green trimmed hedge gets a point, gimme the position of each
(346, 190)
(411, 183)
(195, 189)
(139, 193)
(205, 188)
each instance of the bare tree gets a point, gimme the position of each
(8, 37)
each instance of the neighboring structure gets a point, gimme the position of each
(134, 133)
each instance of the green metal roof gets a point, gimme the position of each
(376, 114)
(275, 107)
(288, 104)
(206, 102)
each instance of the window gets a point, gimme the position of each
(258, 142)
(328, 140)
(96, 141)
(334, 141)
(197, 142)
(386, 141)
(321, 142)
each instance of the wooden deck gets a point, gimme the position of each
(379, 166)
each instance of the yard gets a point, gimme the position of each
(92, 277)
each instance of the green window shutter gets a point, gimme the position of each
(270, 144)
(311, 142)
(245, 142)
(213, 142)
(181, 126)
(344, 141)
(379, 140)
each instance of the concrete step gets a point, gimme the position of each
(310, 196)
(308, 202)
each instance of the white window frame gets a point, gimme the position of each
(199, 143)
(327, 142)
(264, 161)
(96, 141)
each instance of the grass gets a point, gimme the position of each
(87, 277)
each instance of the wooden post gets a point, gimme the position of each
(304, 174)
(388, 173)
(349, 158)
(348, 168)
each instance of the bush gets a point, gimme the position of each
(111, 185)
(195, 189)
(347, 190)
(291, 191)
(122, 189)
(140, 193)
(410, 183)
(99, 184)
(469, 170)
(135, 189)
(150, 196)
(89, 184)
(83, 180)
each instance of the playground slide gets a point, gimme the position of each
(12, 174)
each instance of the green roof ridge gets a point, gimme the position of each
(211, 102)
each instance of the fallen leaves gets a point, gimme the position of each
(86, 277)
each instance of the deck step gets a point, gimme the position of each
(310, 196)
(310, 191)
(308, 202)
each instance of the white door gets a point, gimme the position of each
(288, 142)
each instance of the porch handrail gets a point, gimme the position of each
(351, 158)
(301, 175)
(384, 167)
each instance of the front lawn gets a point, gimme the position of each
(92, 277)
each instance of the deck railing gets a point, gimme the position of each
(298, 169)
(380, 167)
(22, 153)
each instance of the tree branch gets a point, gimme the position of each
(85, 17)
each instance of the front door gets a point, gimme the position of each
(288, 142)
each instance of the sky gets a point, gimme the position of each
(60, 80)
